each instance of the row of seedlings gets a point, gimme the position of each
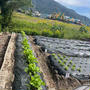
(33, 70)
(65, 63)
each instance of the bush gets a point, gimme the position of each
(58, 34)
(57, 27)
(83, 29)
(47, 33)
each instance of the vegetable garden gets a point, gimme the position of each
(44, 63)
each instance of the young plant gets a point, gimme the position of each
(60, 61)
(70, 62)
(53, 54)
(66, 68)
(74, 65)
(33, 68)
(69, 65)
(65, 61)
(79, 69)
(36, 82)
(62, 64)
(73, 68)
(64, 56)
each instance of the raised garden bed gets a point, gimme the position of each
(74, 48)
(6, 71)
(64, 64)
(75, 52)
(27, 72)
(4, 39)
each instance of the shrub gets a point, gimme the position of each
(47, 33)
(57, 27)
(83, 29)
(57, 34)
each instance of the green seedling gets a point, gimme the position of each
(70, 62)
(74, 65)
(59, 61)
(69, 65)
(79, 69)
(64, 56)
(66, 68)
(53, 54)
(65, 61)
(56, 57)
(62, 64)
(32, 69)
(73, 68)
(36, 82)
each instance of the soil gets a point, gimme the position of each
(4, 38)
(53, 80)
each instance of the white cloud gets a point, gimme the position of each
(79, 3)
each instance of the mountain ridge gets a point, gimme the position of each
(51, 6)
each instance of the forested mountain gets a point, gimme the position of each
(50, 6)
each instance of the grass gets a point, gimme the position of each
(45, 27)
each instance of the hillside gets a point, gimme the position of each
(50, 6)
(45, 27)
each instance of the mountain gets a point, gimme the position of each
(51, 6)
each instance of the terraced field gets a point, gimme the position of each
(72, 55)
(43, 63)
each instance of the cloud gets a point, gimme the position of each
(78, 3)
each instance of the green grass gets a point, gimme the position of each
(45, 27)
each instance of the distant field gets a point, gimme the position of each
(45, 27)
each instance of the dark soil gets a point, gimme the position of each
(4, 39)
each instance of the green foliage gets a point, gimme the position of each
(79, 69)
(74, 65)
(62, 64)
(69, 65)
(64, 56)
(70, 62)
(48, 33)
(83, 29)
(32, 69)
(57, 27)
(65, 61)
(73, 68)
(36, 82)
(60, 61)
(37, 26)
(58, 34)
(53, 54)
(66, 68)
(7, 8)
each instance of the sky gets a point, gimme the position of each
(80, 6)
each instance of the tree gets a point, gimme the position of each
(7, 8)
